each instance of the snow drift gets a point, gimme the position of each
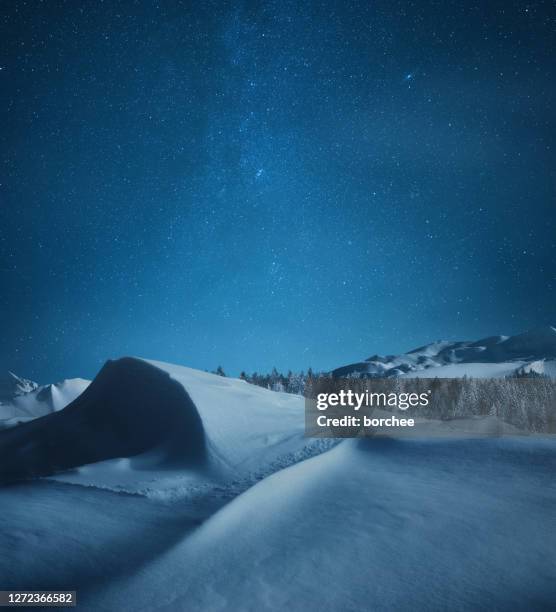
(370, 525)
(249, 433)
(140, 423)
(131, 407)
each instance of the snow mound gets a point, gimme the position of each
(249, 433)
(372, 524)
(245, 425)
(161, 430)
(494, 356)
(131, 407)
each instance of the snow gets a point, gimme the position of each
(172, 418)
(242, 421)
(471, 370)
(39, 401)
(12, 385)
(445, 519)
(494, 356)
(543, 367)
(371, 524)
(250, 432)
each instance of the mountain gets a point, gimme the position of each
(12, 386)
(25, 400)
(494, 356)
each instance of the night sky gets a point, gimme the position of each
(271, 183)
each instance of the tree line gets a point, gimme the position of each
(527, 401)
(291, 382)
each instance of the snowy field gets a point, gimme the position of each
(271, 520)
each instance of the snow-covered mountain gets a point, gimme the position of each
(496, 356)
(12, 386)
(24, 400)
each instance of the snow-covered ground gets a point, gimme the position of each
(272, 520)
(371, 524)
(381, 525)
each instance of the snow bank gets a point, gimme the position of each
(244, 424)
(372, 524)
(140, 423)
(249, 433)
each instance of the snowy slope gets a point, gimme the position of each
(495, 356)
(372, 524)
(240, 420)
(131, 407)
(542, 366)
(250, 432)
(144, 422)
(472, 370)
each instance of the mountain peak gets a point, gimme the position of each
(12, 385)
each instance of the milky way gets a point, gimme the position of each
(277, 183)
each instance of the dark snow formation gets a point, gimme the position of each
(131, 407)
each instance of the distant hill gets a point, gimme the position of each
(495, 356)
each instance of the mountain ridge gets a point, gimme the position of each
(533, 351)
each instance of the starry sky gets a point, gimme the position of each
(258, 184)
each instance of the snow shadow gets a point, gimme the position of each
(131, 407)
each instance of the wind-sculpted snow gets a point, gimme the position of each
(249, 433)
(130, 408)
(371, 525)
(163, 431)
